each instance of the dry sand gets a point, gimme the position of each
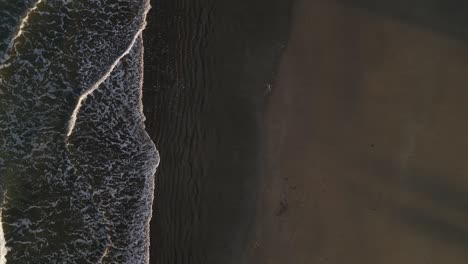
(366, 156)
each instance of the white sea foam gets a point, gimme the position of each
(90, 90)
(24, 21)
(3, 247)
(101, 183)
(113, 112)
(20, 30)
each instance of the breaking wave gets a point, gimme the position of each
(76, 165)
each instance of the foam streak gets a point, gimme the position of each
(23, 23)
(90, 90)
(3, 248)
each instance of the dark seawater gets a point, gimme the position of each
(76, 165)
(208, 69)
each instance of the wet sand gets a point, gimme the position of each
(207, 69)
(367, 147)
(356, 155)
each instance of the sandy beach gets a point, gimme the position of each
(347, 145)
(366, 153)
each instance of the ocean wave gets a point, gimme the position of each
(76, 165)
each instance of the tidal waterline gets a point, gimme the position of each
(85, 196)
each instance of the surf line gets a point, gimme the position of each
(90, 90)
(21, 27)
